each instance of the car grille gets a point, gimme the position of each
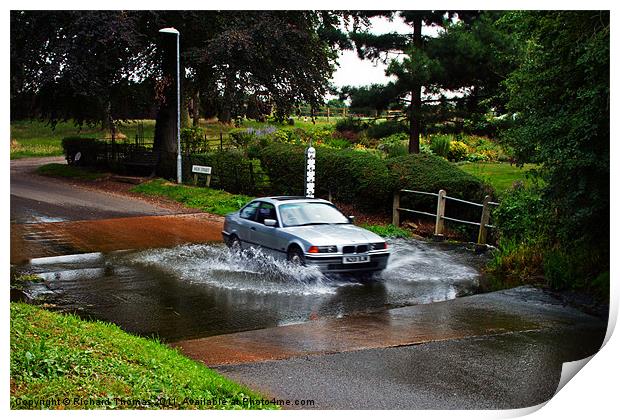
(351, 249)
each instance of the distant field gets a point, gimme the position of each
(500, 175)
(32, 138)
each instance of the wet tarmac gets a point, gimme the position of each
(57, 237)
(203, 290)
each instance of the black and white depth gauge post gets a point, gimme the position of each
(310, 171)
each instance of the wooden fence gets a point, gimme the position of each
(440, 216)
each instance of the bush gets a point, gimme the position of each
(394, 145)
(351, 124)
(429, 173)
(458, 151)
(193, 140)
(519, 216)
(232, 171)
(440, 144)
(386, 128)
(424, 172)
(90, 150)
(356, 177)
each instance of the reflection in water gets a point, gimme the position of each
(200, 290)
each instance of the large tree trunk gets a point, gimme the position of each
(166, 122)
(416, 95)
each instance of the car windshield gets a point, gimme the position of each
(310, 213)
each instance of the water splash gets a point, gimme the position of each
(413, 261)
(249, 270)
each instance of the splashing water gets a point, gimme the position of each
(413, 261)
(249, 270)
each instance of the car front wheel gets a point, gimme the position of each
(296, 257)
(234, 244)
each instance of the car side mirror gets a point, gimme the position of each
(351, 219)
(270, 222)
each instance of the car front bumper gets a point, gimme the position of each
(334, 264)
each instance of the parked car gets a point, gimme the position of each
(306, 231)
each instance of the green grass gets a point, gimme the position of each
(66, 171)
(33, 138)
(500, 175)
(388, 231)
(56, 356)
(206, 199)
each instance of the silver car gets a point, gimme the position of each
(306, 231)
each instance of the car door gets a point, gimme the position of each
(247, 223)
(267, 236)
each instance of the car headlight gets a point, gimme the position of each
(322, 249)
(378, 245)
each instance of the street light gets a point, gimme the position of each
(179, 162)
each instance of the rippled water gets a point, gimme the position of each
(199, 290)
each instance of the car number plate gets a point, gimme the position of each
(355, 259)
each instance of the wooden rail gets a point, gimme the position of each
(440, 216)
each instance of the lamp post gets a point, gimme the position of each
(179, 159)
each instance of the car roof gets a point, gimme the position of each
(276, 200)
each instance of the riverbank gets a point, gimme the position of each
(63, 362)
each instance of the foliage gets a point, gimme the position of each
(206, 199)
(388, 231)
(515, 263)
(351, 124)
(232, 171)
(440, 144)
(54, 355)
(394, 145)
(351, 176)
(447, 62)
(431, 173)
(458, 151)
(386, 128)
(193, 140)
(520, 215)
(66, 171)
(88, 148)
(560, 97)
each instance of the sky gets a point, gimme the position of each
(353, 71)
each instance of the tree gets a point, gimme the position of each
(63, 79)
(461, 57)
(559, 96)
(80, 64)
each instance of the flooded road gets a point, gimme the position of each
(202, 290)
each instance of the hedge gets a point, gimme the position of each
(231, 171)
(430, 173)
(350, 176)
(90, 150)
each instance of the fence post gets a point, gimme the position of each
(221, 140)
(395, 211)
(441, 209)
(484, 220)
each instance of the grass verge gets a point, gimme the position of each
(66, 171)
(206, 199)
(61, 361)
(500, 175)
(388, 231)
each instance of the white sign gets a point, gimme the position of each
(201, 169)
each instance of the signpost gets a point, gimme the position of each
(310, 171)
(201, 170)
